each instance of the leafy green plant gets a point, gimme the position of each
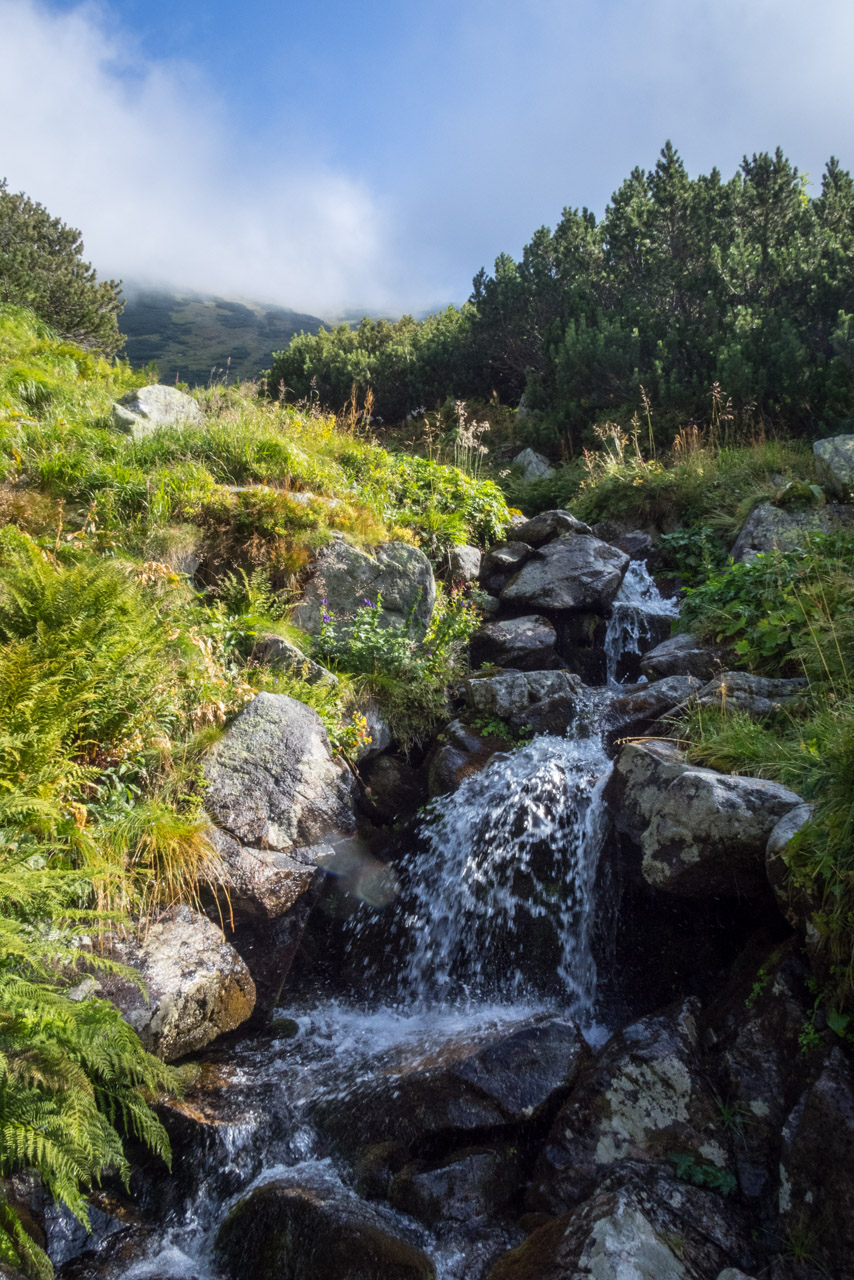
(701, 1174)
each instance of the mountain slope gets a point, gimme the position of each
(197, 338)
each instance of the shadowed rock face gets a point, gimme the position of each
(314, 1229)
(682, 655)
(527, 644)
(344, 577)
(575, 573)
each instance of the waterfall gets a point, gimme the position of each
(502, 892)
(640, 618)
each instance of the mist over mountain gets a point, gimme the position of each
(198, 338)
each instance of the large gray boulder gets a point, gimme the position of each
(641, 775)
(575, 573)
(708, 832)
(197, 986)
(143, 411)
(344, 577)
(644, 1097)
(834, 464)
(547, 526)
(754, 695)
(271, 780)
(682, 655)
(769, 528)
(532, 465)
(501, 563)
(464, 564)
(528, 644)
(512, 693)
(632, 712)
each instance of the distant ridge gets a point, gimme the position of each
(195, 337)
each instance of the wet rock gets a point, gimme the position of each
(634, 711)
(682, 655)
(549, 525)
(552, 716)
(393, 788)
(708, 831)
(528, 644)
(754, 695)
(464, 564)
(198, 986)
(460, 751)
(834, 464)
(817, 1168)
(143, 411)
(497, 1080)
(274, 651)
(641, 1225)
(532, 465)
(513, 692)
(751, 1037)
(501, 562)
(344, 577)
(637, 544)
(468, 1185)
(580, 643)
(312, 1228)
(769, 528)
(575, 573)
(272, 781)
(643, 1098)
(642, 773)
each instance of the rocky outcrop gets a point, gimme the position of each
(272, 781)
(547, 526)
(312, 1228)
(196, 985)
(576, 573)
(143, 411)
(645, 1097)
(344, 578)
(528, 644)
(274, 791)
(769, 528)
(532, 465)
(682, 655)
(834, 464)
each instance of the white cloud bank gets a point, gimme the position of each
(140, 156)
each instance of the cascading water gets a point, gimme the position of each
(497, 910)
(640, 616)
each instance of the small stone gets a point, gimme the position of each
(464, 564)
(834, 463)
(532, 465)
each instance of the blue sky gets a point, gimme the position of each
(338, 155)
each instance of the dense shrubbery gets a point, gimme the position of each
(685, 285)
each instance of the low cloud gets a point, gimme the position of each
(140, 155)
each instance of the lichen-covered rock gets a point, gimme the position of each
(547, 526)
(754, 695)
(272, 781)
(769, 528)
(303, 1227)
(800, 901)
(576, 573)
(640, 1225)
(528, 644)
(682, 655)
(494, 1080)
(642, 773)
(343, 577)
(532, 465)
(708, 831)
(274, 651)
(197, 985)
(634, 711)
(834, 464)
(464, 564)
(510, 694)
(644, 1097)
(817, 1167)
(142, 411)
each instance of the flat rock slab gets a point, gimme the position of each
(576, 573)
(512, 692)
(143, 411)
(754, 695)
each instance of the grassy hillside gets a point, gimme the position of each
(193, 337)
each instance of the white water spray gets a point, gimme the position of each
(636, 614)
